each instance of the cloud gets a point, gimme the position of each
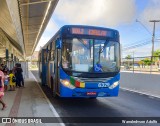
(42, 42)
(52, 27)
(96, 12)
(151, 12)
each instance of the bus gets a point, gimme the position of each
(81, 61)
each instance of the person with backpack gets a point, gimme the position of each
(2, 90)
(12, 81)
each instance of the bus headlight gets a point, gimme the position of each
(66, 83)
(115, 84)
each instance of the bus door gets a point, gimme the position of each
(43, 73)
(57, 71)
(51, 74)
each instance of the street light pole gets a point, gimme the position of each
(153, 37)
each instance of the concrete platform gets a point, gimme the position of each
(28, 102)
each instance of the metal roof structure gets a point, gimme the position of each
(24, 21)
(34, 18)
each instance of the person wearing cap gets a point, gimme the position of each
(2, 89)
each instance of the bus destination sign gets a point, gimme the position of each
(89, 31)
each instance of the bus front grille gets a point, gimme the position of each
(93, 79)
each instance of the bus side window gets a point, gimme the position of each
(53, 51)
(59, 56)
(45, 56)
(52, 55)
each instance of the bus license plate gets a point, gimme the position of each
(91, 93)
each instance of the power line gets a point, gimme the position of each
(144, 26)
(138, 44)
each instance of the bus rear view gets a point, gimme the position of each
(87, 62)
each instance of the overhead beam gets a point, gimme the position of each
(47, 10)
(31, 32)
(37, 2)
(2, 49)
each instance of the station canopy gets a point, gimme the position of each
(25, 21)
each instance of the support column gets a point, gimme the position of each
(12, 61)
(15, 59)
(7, 58)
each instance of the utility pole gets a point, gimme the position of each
(133, 61)
(153, 36)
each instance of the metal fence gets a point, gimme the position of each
(141, 64)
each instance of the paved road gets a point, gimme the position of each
(128, 104)
(146, 83)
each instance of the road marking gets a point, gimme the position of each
(123, 89)
(50, 105)
(141, 93)
(154, 73)
(151, 97)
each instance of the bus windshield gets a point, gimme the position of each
(90, 55)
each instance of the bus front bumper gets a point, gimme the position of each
(83, 92)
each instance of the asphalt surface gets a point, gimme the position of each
(127, 104)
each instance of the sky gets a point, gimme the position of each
(116, 14)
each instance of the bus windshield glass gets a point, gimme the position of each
(90, 55)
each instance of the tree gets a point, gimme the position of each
(157, 54)
(128, 57)
(147, 61)
(141, 63)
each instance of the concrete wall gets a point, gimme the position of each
(147, 83)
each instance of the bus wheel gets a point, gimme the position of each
(54, 94)
(40, 76)
(54, 89)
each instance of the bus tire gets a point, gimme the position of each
(54, 90)
(55, 96)
(40, 75)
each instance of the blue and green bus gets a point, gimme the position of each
(81, 61)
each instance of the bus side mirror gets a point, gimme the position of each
(58, 43)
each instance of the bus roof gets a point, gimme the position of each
(83, 29)
(87, 26)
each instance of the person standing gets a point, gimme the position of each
(12, 81)
(14, 72)
(19, 75)
(6, 80)
(2, 90)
